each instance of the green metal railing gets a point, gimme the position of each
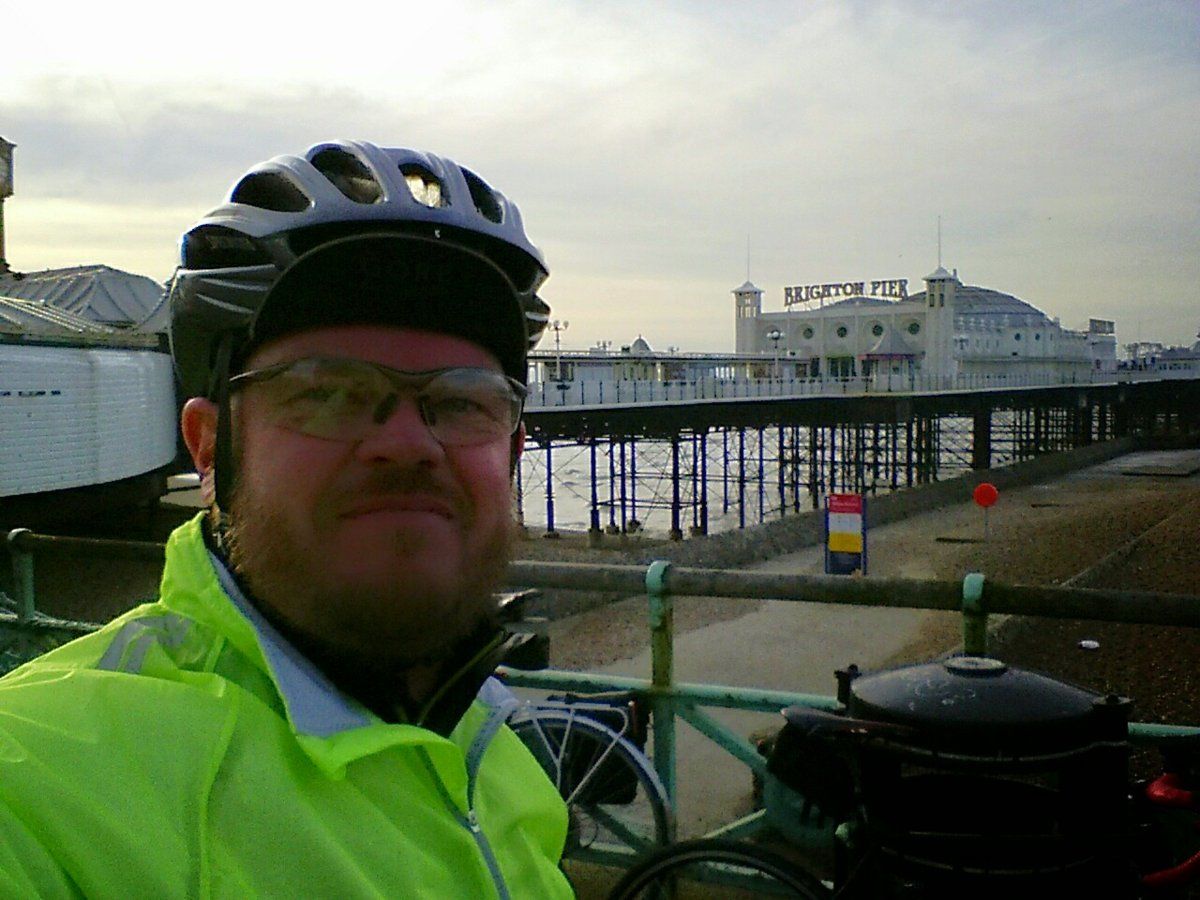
(974, 597)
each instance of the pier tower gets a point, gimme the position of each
(940, 290)
(748, 307)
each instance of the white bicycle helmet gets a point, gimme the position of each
(340, 203)
(350, 233)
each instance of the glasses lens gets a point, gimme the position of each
(326, 398)
(470, 406)
(346, 400)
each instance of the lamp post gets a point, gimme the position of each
(774, 336)
(558, 328)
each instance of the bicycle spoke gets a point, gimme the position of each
(617, 806)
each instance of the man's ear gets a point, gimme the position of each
(198, 423)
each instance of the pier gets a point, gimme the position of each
(702, 456)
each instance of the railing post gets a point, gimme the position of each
(22, 563)
(974, 616)
(662, 649)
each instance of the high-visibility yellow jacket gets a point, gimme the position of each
(186, 750)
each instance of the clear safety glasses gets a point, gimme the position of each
(348, 399)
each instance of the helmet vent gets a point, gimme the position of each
(424, 186)
(217, 247)
(347, 173)
(269, 190)
(484, 197)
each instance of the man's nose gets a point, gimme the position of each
(402, 436)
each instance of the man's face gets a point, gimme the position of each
(387, 547)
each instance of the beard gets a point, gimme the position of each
(384, 625)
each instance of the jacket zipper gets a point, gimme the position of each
(471, 822)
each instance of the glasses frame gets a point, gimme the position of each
(412, 382)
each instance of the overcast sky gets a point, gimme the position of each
(658, 151)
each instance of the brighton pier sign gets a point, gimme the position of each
(888, 287)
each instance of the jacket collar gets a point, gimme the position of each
(317, 707)
(314, 705)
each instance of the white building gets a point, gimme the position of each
(1156, 358)
(947, 330)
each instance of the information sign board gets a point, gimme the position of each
(845, 534)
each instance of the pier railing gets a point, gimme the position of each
(631, 392)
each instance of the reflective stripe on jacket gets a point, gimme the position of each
(186, 751)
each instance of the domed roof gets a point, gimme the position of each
(640, 346)
(980, 302)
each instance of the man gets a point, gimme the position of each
(306, 710)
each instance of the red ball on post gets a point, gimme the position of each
(985, 494)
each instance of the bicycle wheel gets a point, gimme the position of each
(616, 802)
(717, 869)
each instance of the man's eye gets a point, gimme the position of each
(459, 406)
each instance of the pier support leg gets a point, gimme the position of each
(741, 486)
(814, 463)
(550, 532)
(633, 519)
(981, 444)
(676, 532)
(781, 472)
(612, 527)
(595, 535)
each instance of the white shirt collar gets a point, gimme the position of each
(314, 705)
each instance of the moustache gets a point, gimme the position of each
(396, 481)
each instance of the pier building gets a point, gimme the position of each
(869, 329)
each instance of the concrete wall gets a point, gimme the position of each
(792, 533)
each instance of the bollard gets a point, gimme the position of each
(974, 616)
(22, 563)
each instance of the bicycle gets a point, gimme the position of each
(617, 805)
(591, 748)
